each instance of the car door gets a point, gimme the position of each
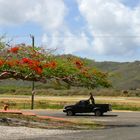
(80, 107)
(88, 107)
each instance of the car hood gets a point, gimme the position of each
(68, 106)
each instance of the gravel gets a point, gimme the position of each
(22, 133)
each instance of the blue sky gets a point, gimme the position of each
(103, 30)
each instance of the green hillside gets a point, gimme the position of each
(123, 75)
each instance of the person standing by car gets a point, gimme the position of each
(92, 98)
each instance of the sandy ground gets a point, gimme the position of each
(20, 133)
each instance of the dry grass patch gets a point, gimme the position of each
(58, 102)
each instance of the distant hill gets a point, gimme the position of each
(124, 75)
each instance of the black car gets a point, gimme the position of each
(84, 106)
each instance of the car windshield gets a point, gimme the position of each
(84, 102)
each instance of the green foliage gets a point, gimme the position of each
(35, 64)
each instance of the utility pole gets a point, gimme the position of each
(33, 83)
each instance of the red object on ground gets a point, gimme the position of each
(11, 111)
(5, 107)
(32, 114)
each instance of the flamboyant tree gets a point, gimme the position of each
(36, 64)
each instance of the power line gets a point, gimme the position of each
(17, 36)
(65, 36)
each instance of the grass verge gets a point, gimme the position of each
(36, 122)
(52, 102)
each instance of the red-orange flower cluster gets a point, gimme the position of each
(51, 64)
(38, 70)
(79, 64)
(85, 72)
(33, 64)
(12, 63)
(14, 50)
(26, 60)
(1, 62)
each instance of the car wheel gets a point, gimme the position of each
(70, 113)
(98, 113)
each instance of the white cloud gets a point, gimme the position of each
(67, 42)
(75, 43)
(14, 12)
(48, 13)
(108, 23)
(111, 23)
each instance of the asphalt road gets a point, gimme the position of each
(120, 126)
